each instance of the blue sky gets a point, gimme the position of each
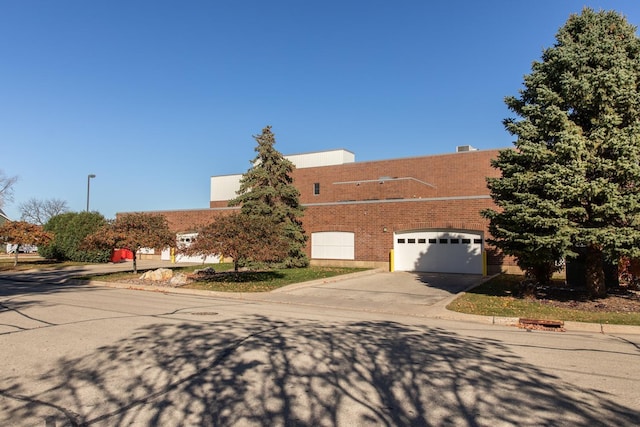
(156, 96)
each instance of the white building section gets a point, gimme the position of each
(321, 158)
(185, 239)
(27, 249)
(225, 187)
(438, 251)
(332, 245)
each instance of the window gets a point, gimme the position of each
(422, 240)
(455, 241)
(316, 188)
(412, 241)
(477, 240)
(401, 240)
(466, 241)
(433, 240)
(444, 241)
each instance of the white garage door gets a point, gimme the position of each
(332, 245)
(438, 252)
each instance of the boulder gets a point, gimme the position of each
(179, 280)
(159, 275)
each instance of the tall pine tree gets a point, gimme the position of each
(267, 191)
(572, 180)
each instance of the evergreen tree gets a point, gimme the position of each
(572, 180)
(267, 191)
(531, 226)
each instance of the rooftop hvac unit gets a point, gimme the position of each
(465, 148)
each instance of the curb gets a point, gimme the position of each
(569, 326)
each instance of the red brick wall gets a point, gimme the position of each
(189, 220)
(369, 220)
(352, 198)
(450, 175)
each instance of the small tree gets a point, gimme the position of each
(41, 211)
(23, 233)
(242, 238)
(267, 192)
(133, 231)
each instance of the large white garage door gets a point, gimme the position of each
(438, 252)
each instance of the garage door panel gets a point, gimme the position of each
(438, 251)
(332, 245)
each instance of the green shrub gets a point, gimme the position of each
(69, 230)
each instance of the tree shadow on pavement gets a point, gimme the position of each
(43, 277)
(22, 291)
(450, 282)
(262, 372)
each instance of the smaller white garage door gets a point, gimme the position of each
(332, 245)
(438, 252)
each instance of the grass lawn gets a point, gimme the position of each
(497, 297)
(226, 280)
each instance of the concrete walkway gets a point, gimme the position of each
(401, 293)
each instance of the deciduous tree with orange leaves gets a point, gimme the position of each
(241, 237)
(133, 231)
(23, 233)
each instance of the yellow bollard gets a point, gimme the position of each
(173, 255)
(391, 261)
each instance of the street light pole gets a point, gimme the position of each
(88, 187)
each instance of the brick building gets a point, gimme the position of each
(424, 209)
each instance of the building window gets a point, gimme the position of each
(455, 241)
(422, 240)
(432, 241)
(412, 240)
(316, 188)
(401, 240)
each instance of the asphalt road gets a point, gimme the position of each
(88, 355)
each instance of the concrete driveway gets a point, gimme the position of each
(416, 294)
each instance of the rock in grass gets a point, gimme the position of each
(159, 275)
(179, 280)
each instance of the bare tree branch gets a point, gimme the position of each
(40, 212)
(6, 188)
